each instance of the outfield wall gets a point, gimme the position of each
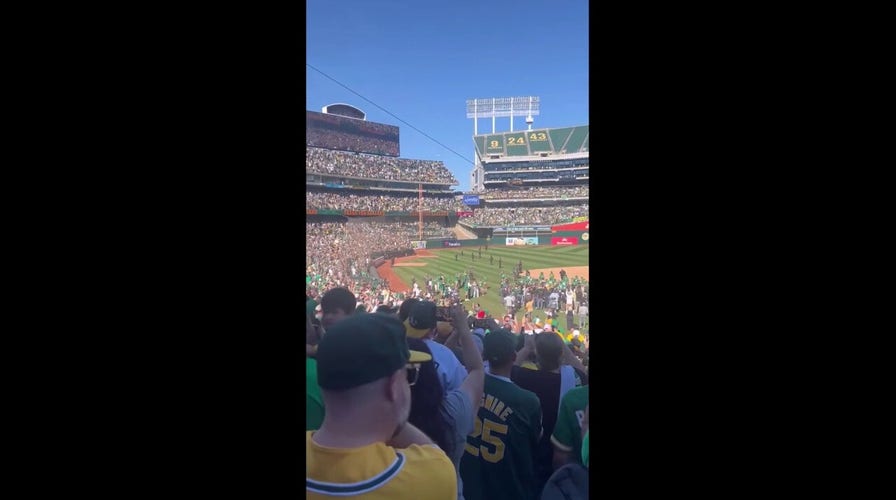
(550, 239)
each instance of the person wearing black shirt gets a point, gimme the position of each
(558, 372)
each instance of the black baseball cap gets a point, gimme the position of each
(499, 346)
(421, 319)
(363, 348)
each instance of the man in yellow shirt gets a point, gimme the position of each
(365, 447)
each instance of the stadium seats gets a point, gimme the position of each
(576, 139)
(558, 138)
(367, 166)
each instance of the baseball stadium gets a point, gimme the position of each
(389, 228)
(458, 319)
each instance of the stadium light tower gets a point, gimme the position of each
(501, 106)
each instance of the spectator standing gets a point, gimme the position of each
(447, 416)
(314, 402)
(569, 317)
(568, 432)
(583, 314)
(554, 300)
(508, 303)
(337, 304)
(498, 461)
(555, 376)
(421, 324)
(365, 368)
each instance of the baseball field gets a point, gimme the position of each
(574, 259)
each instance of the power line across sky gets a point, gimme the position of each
(418, 63)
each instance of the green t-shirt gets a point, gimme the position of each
(314, 402)
(585, 448)
(498, 462)
(567, 434)
(310, 305)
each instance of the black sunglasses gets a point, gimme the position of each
(413, 373)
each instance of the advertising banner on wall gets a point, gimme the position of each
(363, 213)
(525, 240)
(576, 226)
(519, 229)
(471, 200)
(418, 245)
(461, 215)
(450, 243)
(566, 240)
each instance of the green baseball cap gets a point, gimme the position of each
(363, 348)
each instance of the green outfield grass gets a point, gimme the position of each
(533, 257)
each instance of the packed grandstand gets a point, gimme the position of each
(364, 202)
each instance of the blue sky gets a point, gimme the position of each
(422, 60)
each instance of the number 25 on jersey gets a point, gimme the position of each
(489, 432)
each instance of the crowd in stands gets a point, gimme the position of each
(341, 255)
(337, 200)
(436, 230)
(536, 192)
(525, 215)
(342, 163)
(467, 406)
(350, 142)
(503, 167)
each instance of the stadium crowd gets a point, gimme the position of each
(525, 215)
(351, 142)
(341, 255)
(340, 200)
(531, 165)
(349, 164)
(535, 192)
(468, 406)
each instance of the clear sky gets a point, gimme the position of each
(422, 60)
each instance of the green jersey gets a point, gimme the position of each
(567, 434)
(498, 459)
(585, 447)
(314, 402)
